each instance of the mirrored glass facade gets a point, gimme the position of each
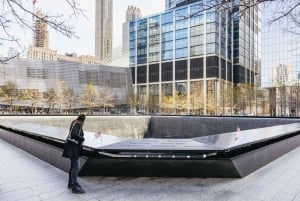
(247, 45)
(281, 63)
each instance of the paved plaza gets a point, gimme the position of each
(25, 177)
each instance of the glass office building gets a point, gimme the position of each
(281, 63)
(186, 59)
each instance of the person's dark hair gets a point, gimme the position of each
(81, 117)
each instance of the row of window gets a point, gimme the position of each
(110, 79)
(167, 33)
(213, 69)
(181, 21)
(167, 51)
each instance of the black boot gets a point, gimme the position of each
(76, 188)
(70, 185)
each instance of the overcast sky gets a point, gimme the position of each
(85, 28)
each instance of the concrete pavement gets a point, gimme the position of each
(25, 178)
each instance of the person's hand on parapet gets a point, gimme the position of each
(97, 135)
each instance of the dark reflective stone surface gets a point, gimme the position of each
(237, 139)
(219, 142)
(56, 133)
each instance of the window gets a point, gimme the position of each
(132, 60)
(212, 66)
(36, 73)
(167, 46)
(153, 56)
(167, 28)
(132, 51)
(211, 48)
(181, 70)
(141, 74)
(167, 55)
(181, 14)
(167, 36)
(197, 20)
(182, 24)
(154, 73)
(181, 53)
(133, 74)
(154, 21)
(167, 71)
(197, 30)
(196, 68)
(181, 34)
(197, 40)
(211, 38)
(211, 27)
(132, 27)
(167, 18)
(211, 17)
(142, 24)
(197, 50)
(153, 48)
(181, 43)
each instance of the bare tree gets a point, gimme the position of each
(132, 101)
(33, 96)
(249, 93)
(69, 98)
(283, 8)
(50, 97)
(226, 99)
(180, 102)
(19, 13)
(10, 93)
(64, 95)
(196, 102)
(106, 98)
(89, 96)
(239, 99)
(167, 103)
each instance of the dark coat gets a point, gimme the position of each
(72, 150)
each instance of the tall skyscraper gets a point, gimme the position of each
(103, 30)
(40, 34)
(132, 13)
(175, 3)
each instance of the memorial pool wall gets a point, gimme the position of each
(229, 164)
(158, 126)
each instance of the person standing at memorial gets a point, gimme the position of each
(72, 150)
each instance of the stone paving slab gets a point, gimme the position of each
(25, 178)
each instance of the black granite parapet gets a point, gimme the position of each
(196, 126)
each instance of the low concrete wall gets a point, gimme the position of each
(157, 126)
(43, 151)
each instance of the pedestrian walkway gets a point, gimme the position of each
(25, 178)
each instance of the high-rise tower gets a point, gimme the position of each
(40, 34)
(103, 30)
(190, 57)
(132, 13)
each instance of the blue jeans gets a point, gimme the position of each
(73, 172)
